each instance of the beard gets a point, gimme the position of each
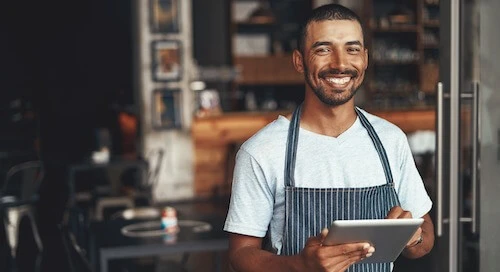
(332, 97)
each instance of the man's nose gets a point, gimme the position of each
(338, 60)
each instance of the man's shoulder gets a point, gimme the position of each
(383, 127)
(268, 137)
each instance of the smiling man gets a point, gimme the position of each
(329, 160)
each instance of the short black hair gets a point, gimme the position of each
(327, 12)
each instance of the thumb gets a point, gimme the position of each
(322, 235)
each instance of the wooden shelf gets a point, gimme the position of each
(267, 70)
(394, 62)
(431, 46)
(253, 24)
(431, 23)
(421, 36)
(271, 70)
(402, 28)
(432, 4)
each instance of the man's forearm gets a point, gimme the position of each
(249, 259)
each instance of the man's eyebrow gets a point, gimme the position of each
(321, 43)
(354, 43)
(318, 44)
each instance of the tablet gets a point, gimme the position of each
(388, 236)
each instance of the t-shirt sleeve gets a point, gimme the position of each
(412, 194)
(251, 205)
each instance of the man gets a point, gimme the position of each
(329, 160)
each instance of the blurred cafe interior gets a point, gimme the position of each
(119, 115)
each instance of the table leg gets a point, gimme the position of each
(218, 261)
(103, 263)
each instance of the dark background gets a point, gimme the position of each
(65, 71)
(71, 61)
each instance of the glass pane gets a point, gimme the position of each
(469, 74)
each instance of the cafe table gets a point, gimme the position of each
(122, 238)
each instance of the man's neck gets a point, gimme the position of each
(328, 120)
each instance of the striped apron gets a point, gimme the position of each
(309, 210)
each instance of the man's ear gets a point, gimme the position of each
(366, 58)
(298, 62)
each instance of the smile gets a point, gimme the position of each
(338, 80)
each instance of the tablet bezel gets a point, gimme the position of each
(388, 236)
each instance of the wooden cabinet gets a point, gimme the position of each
(403, 41)
(263, 36)
(429, 75)
(402, 38)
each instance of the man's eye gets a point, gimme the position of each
(322, 50)
(353, 50)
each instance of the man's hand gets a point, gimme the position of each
(396, 213)
(422, 241)
(318, 257)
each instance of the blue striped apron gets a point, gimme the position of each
(309, 210)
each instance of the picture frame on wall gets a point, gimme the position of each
(166, 108)
(166, 60)
(164, 16)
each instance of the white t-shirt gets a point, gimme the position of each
(349, 160)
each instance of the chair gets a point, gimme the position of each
(19, 192)
(77, 260)
(155, 159)
(144, 190)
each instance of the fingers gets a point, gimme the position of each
(324, 233)
(351, 254)
(397, 212)
(361, 250)
(355, 251)
(335, 257)
(353, 258)
(316, 240)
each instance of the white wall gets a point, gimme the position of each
(176, 175)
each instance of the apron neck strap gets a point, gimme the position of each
(378, 145)
(293, 138)
(291, 147)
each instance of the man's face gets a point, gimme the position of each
(334, 60)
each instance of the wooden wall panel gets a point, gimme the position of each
(216, 140)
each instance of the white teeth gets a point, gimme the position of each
(336, 80)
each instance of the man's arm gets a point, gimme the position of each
(246, 254)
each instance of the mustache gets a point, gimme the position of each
(334, 71)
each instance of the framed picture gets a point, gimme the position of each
(166, 56)
(164, 16)
(166, 108)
